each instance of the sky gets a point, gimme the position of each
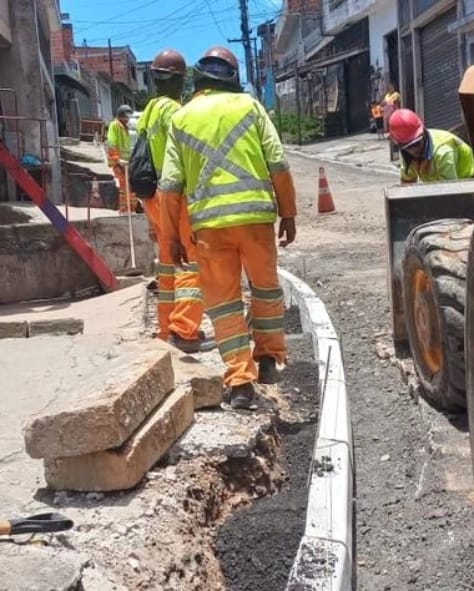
(191, 26)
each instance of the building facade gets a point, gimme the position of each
(340, 55)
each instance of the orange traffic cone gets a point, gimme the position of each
(325, 200)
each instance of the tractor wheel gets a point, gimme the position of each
(434, 284)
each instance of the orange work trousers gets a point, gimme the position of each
(221, 256)
(119, 174)
(180, 305)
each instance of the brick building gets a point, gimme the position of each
(119, 63)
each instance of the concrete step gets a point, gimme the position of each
(123, 468)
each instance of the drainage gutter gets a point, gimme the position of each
(324, 558)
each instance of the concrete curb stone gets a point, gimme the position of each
(324, 558)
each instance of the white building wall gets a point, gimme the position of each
(105, 97)
(348, 11)
(381, 22)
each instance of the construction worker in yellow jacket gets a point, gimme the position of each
(429, 155)
(224, 153)
(119, 152)
(180, 305)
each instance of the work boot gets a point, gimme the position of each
(267, 371)
(243, 397)
(191, 346)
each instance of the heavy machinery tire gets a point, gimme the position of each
(434, 283)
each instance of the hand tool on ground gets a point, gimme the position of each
(43, 523)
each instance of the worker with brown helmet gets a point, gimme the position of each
(224, 153)
(180, 306)
(428, 155)
(119, 147)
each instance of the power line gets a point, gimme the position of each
(106, 22)
(213, 16)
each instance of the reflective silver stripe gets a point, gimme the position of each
(279, 166)
(218, 158)
(250, 184)
(165, 269)
(166, 297)
(171, 186)
(236, 343)
(268, 324)
(226, 309)
(233, 209)
(188, 293)
(270, 295)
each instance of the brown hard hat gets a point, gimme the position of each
(169, 60)
(224, 54)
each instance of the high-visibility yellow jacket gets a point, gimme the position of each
(118, 142)
(156, 119)
(224, 154)
(446, 158)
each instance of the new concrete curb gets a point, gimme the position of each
(324, 558)
(373, 168)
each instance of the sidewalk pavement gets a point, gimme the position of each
(361, 151)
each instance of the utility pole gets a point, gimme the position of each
(111, 59)
(245, 40)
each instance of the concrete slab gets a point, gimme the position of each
(119, 312)
(207, 383)
(38, 568)
(218, 433)
(38, 263)
(104, 407)
(123, 468)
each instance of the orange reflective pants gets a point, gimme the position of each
(221, 255)
(120, 176)
(180, 306)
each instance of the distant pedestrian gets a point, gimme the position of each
(119, 150)
(391, 102)
(377, 116)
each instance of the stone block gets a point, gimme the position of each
(13, 330)
(56, 327)
(40, 568)
(124, 467)
(104, 417)
(206, 383)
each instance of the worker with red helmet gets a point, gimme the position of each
(429, 155)
(180, 305)
(224, 153)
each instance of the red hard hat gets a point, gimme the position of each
(169, 60)
(406, 127)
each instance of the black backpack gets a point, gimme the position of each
(142, 174)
